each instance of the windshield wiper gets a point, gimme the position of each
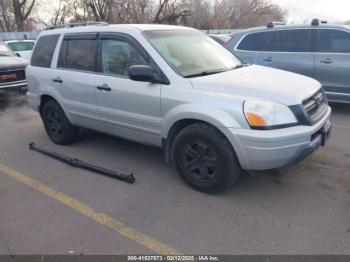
(240, 66)
(206, 73)
(212, 72)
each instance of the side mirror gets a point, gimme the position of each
(141, 73)
(17, 54)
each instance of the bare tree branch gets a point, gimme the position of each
(22, 10)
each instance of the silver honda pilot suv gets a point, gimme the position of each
(175, 88)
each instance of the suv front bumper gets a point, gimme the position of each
(13, 86)
(262, 150)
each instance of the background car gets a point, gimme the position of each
(222, 39)
(23, 48)
(12, 70)
(319, 50)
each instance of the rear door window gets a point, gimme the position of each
(43, 51)
(78, 54)
(292, 41)
(253, 42)
(333, 41)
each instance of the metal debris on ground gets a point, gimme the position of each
(129, 178)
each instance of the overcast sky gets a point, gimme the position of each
(331, 10)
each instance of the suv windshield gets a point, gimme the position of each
(191, 53)
(5, 50)
(21, 46)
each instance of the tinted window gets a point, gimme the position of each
(118, 56)
(44, 50)
(253, 42)
(289, 41)
(78, 54)
(334, 41)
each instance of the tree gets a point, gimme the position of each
(139, 11)
(6, 20)
(59, 14)
(130, 11)
(200, 14)
(22, 10)
(171, 12)
(245, 13)
(136, 11)
(101, 9)
(78, 11)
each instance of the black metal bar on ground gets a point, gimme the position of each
(84, 165)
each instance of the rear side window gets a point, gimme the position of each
(333, 41)
(78, 54)
(43, 51)
(289, 41)
(253, 42)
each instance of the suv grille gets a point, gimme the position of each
(316, 106)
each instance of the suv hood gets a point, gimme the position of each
(9, 62)
(260, 83)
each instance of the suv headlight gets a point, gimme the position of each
(268, 115)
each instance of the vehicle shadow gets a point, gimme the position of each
(4, 101)
(139, 159)
(340, 108)
(8, 100)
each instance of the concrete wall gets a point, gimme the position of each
(18, 35)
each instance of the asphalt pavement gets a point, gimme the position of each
(47, 207)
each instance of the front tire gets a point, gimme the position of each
(205, 159)
(57, 125)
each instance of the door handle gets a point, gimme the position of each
(327, 61)
(268, 59)
(104, 87)
(57, 80)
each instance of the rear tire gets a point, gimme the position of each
(205, 158)
(57, 125)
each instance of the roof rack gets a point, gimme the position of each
(70, 25)
(272, 24)
(317, 21)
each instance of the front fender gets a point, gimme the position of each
(215, 117)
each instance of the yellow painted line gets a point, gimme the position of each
(101, 218)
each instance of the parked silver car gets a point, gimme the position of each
(176, 88)
(319, 50)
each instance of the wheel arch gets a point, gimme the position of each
(213, 116)
(44, 98)
(178, 122)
